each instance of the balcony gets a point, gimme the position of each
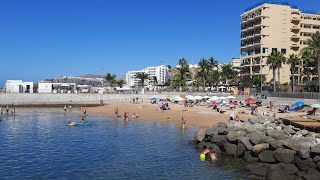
(256, 62)
(245, 64)
(294, 46)
(295, 28)
(295, 19)
(295, 37)
(256, 71)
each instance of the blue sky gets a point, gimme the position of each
(48, 38)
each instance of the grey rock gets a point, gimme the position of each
(316, 159)
(279, 135)
(219, 139)
(304, 152)
(200, 135)
(212, 131)
(315, 149)
(258, 169)
(273, 125)
(304, 132)
(284, 155)
(266, 139)
(282, 171)
(231, 149)
(249, 158)
(246, 142)
(258, 126)
(291, 144)
(267, 156)
(223, 130)
(233, 136)
(304, 165)
(260, 147)
(312, 174)
(256, 137)
(275, 144)
(241, 149)
(288, 130)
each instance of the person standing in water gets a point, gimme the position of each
(1, 111)
(65, 108)
(183, 122)
(85, 111)
(7, 109)
(126, 116)
(116, 113)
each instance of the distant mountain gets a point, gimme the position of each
(92, 76)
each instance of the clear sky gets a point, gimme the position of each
(49, 38)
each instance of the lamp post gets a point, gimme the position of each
(261, 76)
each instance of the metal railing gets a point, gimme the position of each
(299, 95)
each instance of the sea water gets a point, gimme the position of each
(38, 144)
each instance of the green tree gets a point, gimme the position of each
(110, 78)
(120, 82)
(213, 63)
(203, 71)
(183, 75)
(142, 76)
(314, 50)
(227, 72)
(293, 61)
(274, 61)
(246, 82)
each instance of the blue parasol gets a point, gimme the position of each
(299, 104)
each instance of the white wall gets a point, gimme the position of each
(44, 87)
(15, 86)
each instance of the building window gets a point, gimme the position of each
(265, 50)
(284, 51)
(274, 49)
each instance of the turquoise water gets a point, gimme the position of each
(38, 144)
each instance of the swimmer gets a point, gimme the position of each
(126, 116)
(70, 123)
(116, 113)
(183, 122)
(82, 119)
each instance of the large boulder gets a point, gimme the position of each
(279, 135)
(240, 150)
(315, 150)
(289, 130)
(316, 159)
(312, 174)
(212, 131)
(273, 125)
(200, 135)
(260, 147)
(249, 158)
(284, 155)
(246, 142)
(275, 144)
(304, 165)
(304, 152)
(291, 144)
(256, 137)
(258, 169)
(219, 139)
(282, 171)
(267, 156)
(233, 136)
(231, 149)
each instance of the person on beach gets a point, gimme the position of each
(65, 108)
(101, 102)
(183, 122)
(116, 113)
(270, 106)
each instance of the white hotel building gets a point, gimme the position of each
(160, 72)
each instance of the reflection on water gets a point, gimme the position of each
(38, 144)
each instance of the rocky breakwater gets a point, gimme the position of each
(271, 149)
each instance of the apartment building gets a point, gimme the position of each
(160, 72)
(273, 26)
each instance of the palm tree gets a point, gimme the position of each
(183, 75)
(142, 76)
(227, 72)
(110, 78)
(314, 50)
(274, 61)
(213, 63)
(293, 61)
(183, 62)
(203, 67)
(281, 60)
(120, 83)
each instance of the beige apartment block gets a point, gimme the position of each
(274, 27)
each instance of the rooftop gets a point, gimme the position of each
(284, 3)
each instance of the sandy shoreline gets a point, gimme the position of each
(195, 116)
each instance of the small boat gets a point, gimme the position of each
(72, 123)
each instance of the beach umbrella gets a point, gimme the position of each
(188, 96)
(233, 103)
(315, 105)
(231, 97)
(299, 103)
(223, 98)
(153, 99)
(249, 99)
(214, 98)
